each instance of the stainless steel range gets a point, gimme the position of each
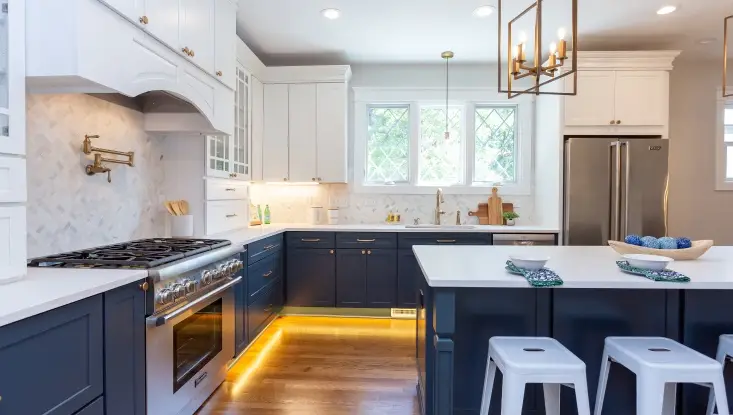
(189, 308)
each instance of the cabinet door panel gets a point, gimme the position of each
(12, 84)
(351, 275)
(331, 132)
(12, 253)
(381, 278)
(240, 139)
(302, 135)
(642, 97)
(124, 350)
(594, 104)
(311, 277)
(225, 48)
(163, 20)
(132, 9)
(275, 143)
(197, 31)
(218, 154)
(257, 123)
(408, 274)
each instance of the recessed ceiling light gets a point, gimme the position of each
(483, 11)
(707, 41)
(666, 10)
(331, 14)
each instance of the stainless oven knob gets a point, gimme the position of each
(179, 291)
(231, 268)
(206, 277)
(190, 287)
(221, 271)
(164, 296)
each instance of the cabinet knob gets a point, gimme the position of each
(313, 179)
(285, 179)
(235, 174)
(192, 54)
(219, 73)
(618, 121)
(186, 51)
(319, 179)
(144, 20)
(330, 252)
(612, 122)
(363, 252)
(144, 286)
(369, 252)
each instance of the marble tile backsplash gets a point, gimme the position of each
(66, 208)
(290, 204)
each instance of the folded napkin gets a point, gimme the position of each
(537, 278)
(665, 275)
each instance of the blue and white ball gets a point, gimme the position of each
(633, 240)
(667, 243)
(650, 242)
(684, 243)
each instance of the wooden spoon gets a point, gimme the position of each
(169, 207)
(177, 207)
(184, 207)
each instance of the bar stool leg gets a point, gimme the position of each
(581, 397)
(512, 395)
(602, 380)
(720, 397)
(488, 386)
(720, 357)
(649, 397)
(552, 398)
(670, 399)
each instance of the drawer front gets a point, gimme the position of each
(263, 309)
(407, 240)
(366, 240)
(262, 274)
(311, 239)
(264, 248)
(226, 215)
(226, 189)
(94, 408)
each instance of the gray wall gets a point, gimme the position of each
(695, 208)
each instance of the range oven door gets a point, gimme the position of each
(188, 350)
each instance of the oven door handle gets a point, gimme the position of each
(163, 319)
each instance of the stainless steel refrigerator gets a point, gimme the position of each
(614, 187)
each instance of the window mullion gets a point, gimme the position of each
(414, 143)
(470, 143)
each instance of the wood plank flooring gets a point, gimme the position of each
(323, 366)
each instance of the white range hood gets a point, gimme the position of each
(82, 46)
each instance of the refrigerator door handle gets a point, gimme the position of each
(627, 183)
(615, 188)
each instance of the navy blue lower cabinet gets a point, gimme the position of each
(94, 408)
(351, 277)
(705, 318)
(53, 363)
(311, 277)
(124, 350)
(408, 274)
(240, 311)
(381, 278)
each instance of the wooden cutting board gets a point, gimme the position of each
(482, 213)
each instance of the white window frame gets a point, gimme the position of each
(721, 181)
(469, 98)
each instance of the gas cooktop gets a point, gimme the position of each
(140, 254)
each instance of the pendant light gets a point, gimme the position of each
(447, 55)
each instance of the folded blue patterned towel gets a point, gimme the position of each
(665, 275)
(537, 278)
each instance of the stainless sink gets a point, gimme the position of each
(428, 226)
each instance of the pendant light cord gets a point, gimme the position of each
(446, 97)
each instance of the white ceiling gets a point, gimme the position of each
(285, 32)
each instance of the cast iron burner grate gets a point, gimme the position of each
(140, 254)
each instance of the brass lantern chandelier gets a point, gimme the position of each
(725, 57)
(521, 63)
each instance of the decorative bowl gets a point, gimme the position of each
(528, 262)
(650, 262)
(698, 248)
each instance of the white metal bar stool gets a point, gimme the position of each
(525, 360)
(725, 350)
(659, 364)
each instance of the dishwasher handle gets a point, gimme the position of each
(524, 239)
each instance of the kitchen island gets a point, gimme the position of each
(466, 297)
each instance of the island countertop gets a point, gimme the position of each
(578, 266)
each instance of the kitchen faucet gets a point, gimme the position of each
(438, 200)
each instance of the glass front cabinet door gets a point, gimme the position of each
(229, 156)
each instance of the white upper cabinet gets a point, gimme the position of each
(257, 122)
(161, 20)
(595, 102)
(642, 97)
(196, 32)
(275, 137)
(218, 156)
(331, 135)
(12, 82)
(302, 135)
(132, 9)
(240, 139)
(225, 48)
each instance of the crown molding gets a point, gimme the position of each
(306, 74)
(654, 60)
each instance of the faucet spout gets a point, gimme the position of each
(438, 200)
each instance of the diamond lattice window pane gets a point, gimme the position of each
(441, 162)
(388, 145)
(496, 145)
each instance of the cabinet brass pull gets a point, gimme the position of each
(446, 241)
(330, 252)
(369, 252)
(144, 19)
(618, 122)
(186, 50)
(310, 240)
(232, 215)
(363, 252)
(144, 286)
(268, 247)
(319, 179)
(267, 274)
(365, 240)
(230, 189)
(612, 122)
(219, 73)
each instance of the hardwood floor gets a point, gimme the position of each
(323, 366)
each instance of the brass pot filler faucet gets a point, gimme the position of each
(98, 167)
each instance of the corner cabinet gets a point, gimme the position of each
(13, 194)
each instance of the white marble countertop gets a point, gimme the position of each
(44, 289)
(249, 235)
(578, 266)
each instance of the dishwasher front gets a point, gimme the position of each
(524, 239)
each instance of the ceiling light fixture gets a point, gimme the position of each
(447, 55)
(521, 63)
(483, 11)
(331, 14)
(666, 10)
